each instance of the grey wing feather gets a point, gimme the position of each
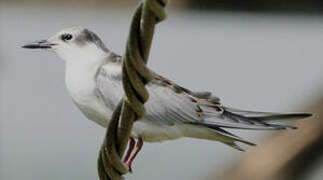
(168, 107)
(170, 103)
(240, 119)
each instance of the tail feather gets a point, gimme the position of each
(235, 146)
(231, 135)
(240, 119)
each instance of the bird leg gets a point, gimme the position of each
(130, 149)
(138, 148)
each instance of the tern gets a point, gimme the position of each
(93, 78)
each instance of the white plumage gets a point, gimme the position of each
(93, 78)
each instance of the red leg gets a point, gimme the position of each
(130, 149)
(138, 148)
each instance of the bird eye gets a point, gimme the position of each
(66, 37)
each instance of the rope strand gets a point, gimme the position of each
(135, 75)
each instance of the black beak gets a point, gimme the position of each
(39, 45)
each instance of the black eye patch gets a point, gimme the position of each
(66, 37)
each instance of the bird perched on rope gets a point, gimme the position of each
(94, 80)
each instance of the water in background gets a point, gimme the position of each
(256, 62)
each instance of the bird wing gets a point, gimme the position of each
(166, 105)
(171, 104)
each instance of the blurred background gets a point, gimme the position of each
(254, 54)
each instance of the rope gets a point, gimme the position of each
(135, 75)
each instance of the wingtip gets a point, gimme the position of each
(293, 127)
(282, 127)
(304, 115)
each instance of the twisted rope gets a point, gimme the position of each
(135, 75)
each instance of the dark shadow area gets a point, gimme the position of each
(310, 6)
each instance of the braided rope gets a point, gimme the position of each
(135, 75)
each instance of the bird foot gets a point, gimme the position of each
(129, 159)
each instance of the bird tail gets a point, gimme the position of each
(250, 120)
(241, 119)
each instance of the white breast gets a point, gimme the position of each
(79, 79)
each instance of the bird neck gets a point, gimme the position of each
(80, 70)
(85, 67)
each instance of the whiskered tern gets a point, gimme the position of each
(93, 79)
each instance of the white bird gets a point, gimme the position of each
(93, 79)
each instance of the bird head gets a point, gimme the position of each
(73, 44)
